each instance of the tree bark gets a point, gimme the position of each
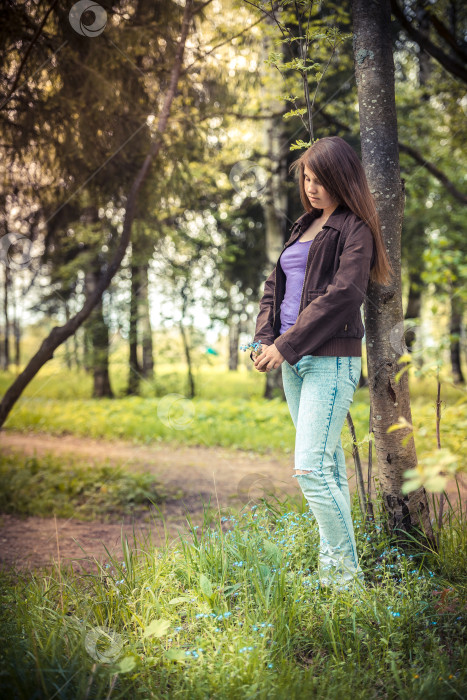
(59, 334)
(134, 369)
(67, 342)
(374, 68)
(413, 310)
(16, 332)
(455, 329)
(147, 368)
(6, 319)
(234, 334)
(185, 341)
(76, 351)
(99, 335)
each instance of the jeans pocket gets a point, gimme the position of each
(355, 370)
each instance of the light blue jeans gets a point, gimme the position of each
(319, 392)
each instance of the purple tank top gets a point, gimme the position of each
(293, 262)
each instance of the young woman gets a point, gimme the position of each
(310, 325)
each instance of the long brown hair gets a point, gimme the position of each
(338, 169)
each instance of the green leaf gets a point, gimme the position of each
(231, 589)
(175, 655)
(205, 585)
(126, 665)
(436, 484)
(272, 551)
(181, 599)
(294, 113)
(157, 628)
(411, 485)
(300, 144)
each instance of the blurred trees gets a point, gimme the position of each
(78, 114)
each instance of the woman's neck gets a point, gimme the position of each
(326, 213)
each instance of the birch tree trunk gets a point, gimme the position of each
(374, 70)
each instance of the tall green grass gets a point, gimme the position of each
(227, 411)
(234, 610)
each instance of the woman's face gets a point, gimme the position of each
(316, 193)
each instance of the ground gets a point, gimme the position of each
(194, 475)
(228, 478)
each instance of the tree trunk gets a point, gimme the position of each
(6, 339)
(59, 334)
(234, 333)
(99, 335)
(147, 368)
(100, 351)
(87, 350)
(455, 329)
(374, 68)
(274, 197)
(17, 332)
(186, 347)
(16, 329)
(134, 370)
(76, 351)
(413, 311)
(67, 342)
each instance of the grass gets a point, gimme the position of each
(42, 486)
(234, 611)
(261, 426)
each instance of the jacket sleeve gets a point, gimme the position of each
(264, 330)
(326, 314)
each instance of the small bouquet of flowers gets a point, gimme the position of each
(255, 348)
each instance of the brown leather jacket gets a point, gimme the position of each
(336, 280)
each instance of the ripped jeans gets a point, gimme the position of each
(319, 392)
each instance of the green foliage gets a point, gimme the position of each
(433, 471)
(49, 485)
(439, 462)
(235, 611)
(241, 419)
(300, 144)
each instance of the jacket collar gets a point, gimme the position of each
(335, 221)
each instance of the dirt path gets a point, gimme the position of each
(227, 478)
(230, 478)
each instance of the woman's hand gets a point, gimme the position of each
(269, 358)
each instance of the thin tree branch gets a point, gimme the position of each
(443, 31)
(416, 155)
(427, 45)
(433, 170)
(306, 88)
